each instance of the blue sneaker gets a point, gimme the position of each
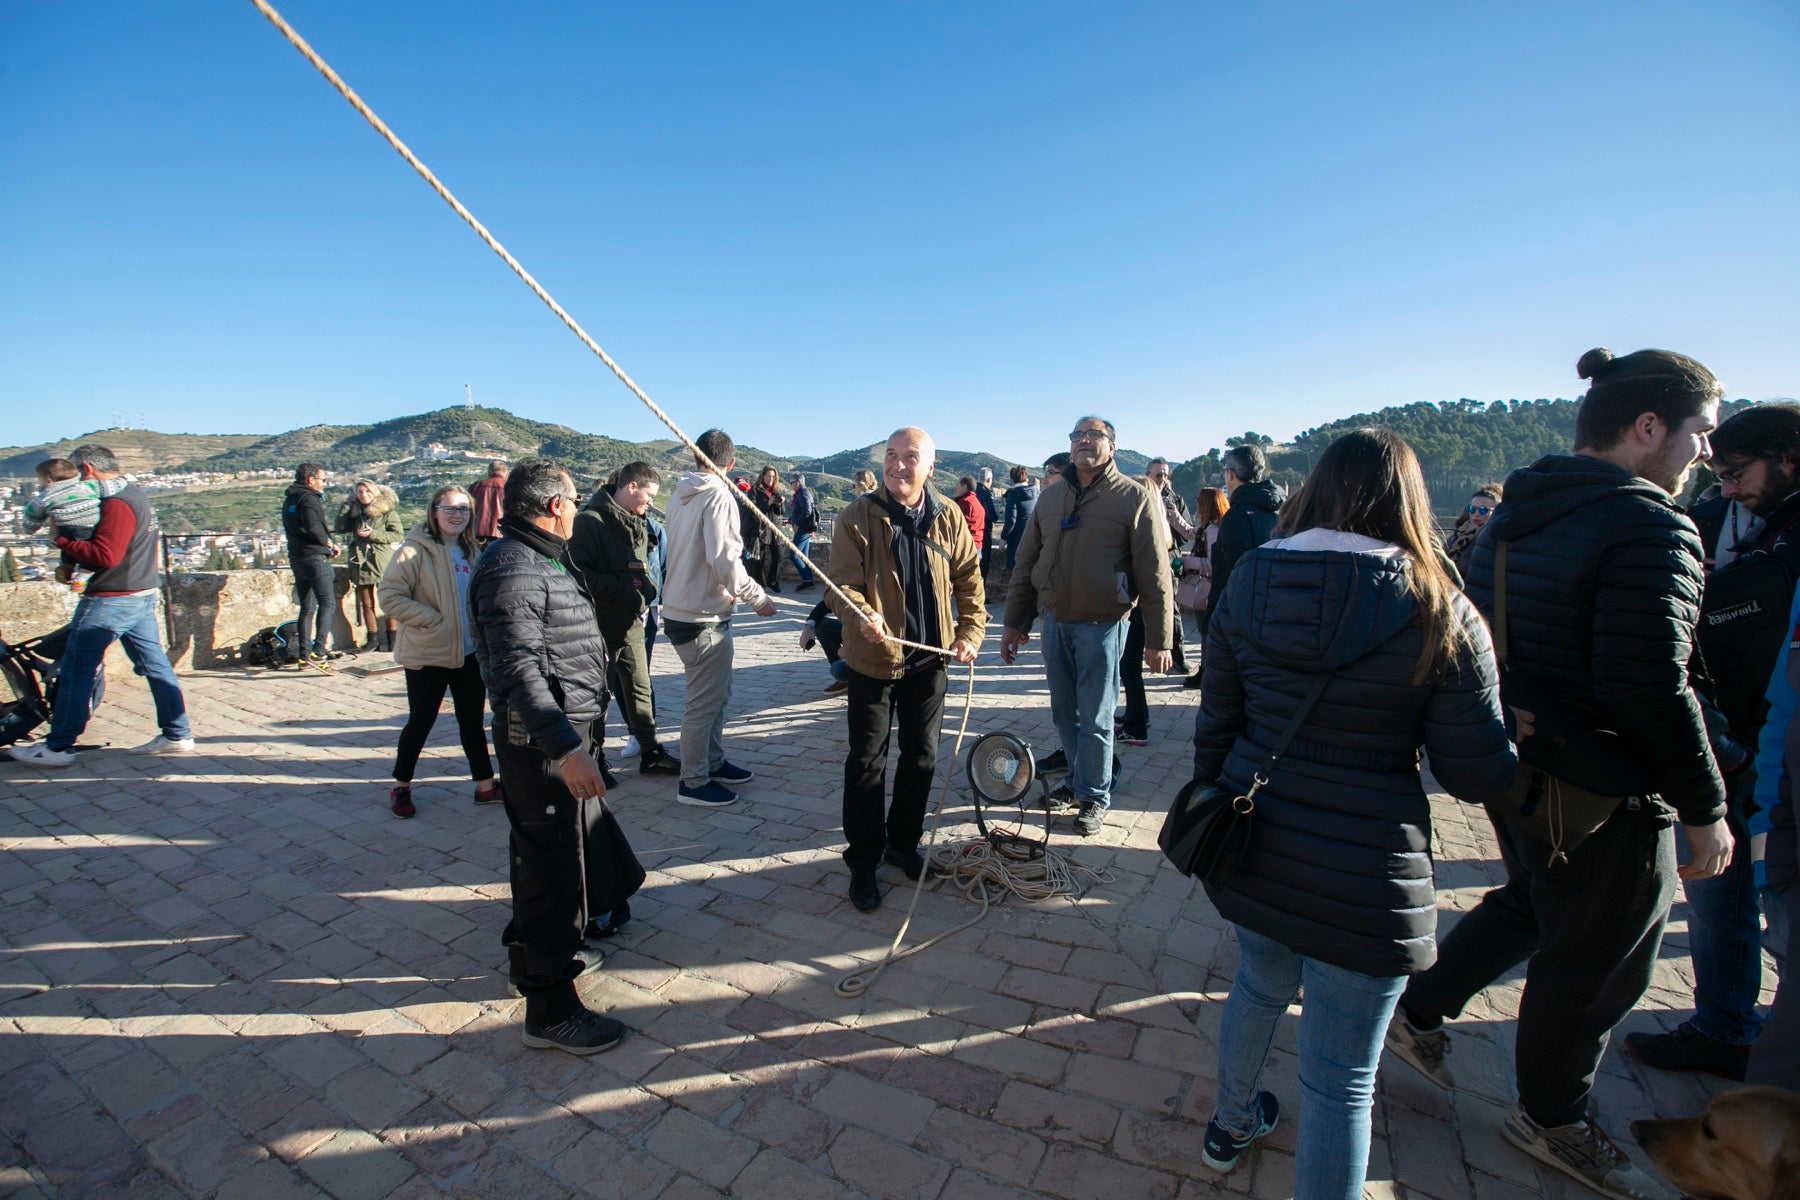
(730, 772)
(1221, 1151)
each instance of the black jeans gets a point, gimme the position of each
(315, 584)
(1136, 718)
(425, 688)
(558, 878)
(918, 702)
(1590, 928)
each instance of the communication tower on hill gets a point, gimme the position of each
(468, 396)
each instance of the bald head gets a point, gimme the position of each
(906, 467)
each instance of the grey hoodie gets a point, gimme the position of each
(704, 577)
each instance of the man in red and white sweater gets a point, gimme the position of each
(119, 604)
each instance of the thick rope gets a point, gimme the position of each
(376, 123)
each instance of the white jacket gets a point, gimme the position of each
(704, 576)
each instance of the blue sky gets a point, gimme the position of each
(810, 223)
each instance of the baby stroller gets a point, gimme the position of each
(28, 672)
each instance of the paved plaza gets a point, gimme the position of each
(235, 975)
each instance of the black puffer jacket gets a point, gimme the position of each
(1247, 524)
(541, 653)
(1603, 593)
(1339, 864)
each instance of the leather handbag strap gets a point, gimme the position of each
(1500, 603)
(1313, 693)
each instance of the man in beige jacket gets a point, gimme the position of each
(904, 556)
(1093, 548)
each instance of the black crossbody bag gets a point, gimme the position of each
(1207, 830)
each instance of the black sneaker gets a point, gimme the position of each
(1053, 762)
(911, 862)
(805, 586)
(707, 795)
(607, 778)
(1687, 1049)
(1060, 800)
(658, 762)
(1091, 819)
(1192, 682)
(1221, 1151)
(400, 802)
(586, 1032)
(730, 772)
(865, 893)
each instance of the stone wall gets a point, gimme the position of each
(211, 613)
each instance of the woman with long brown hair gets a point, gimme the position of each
(426, 589)
(1347, 635)
(766, 495)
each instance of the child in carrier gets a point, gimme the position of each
(68, 505)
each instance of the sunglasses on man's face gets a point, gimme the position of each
(1478, 510)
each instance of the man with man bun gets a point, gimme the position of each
(1602, 582)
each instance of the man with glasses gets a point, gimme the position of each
(544, 663)
(1250, 521)
(1095, 546)
(1743, 627)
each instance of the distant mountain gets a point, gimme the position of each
(139, 450)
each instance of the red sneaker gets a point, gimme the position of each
(400, 801)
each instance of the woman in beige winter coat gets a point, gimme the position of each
(370, 515)
(425, 589)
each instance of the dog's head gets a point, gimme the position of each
(1745, 1146)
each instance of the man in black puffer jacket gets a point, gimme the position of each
(544, 663)
(1248, 523)
(1603, 594)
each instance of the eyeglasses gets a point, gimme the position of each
(1735, 475)
(1088, 435)
(452, 508)
(1478, 510)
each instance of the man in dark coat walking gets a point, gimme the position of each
(1602, 585)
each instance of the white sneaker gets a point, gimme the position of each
(632, 749)
(40, 755)
(161, 744)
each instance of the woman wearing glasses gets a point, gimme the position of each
(426, 590)
(1462, 537)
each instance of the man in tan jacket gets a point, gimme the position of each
(1093, 548)
(904, 556)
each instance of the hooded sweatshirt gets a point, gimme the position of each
(1339, 863)
(1603, 583)
(703, 574)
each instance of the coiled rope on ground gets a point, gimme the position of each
(975, 867)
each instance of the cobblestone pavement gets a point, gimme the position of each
(235, 975)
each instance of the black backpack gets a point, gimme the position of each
(269, 648)
(1743, 626)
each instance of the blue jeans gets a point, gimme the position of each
(316, 583)
(1081, 663)
(1725, 937)
(1342, 1022)
(99, 622)
(803, 542)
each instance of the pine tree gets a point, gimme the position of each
(9, 568)
(260, 561)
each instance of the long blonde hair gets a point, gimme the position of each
(466, 539)
(1368, 481)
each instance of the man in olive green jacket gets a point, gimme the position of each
(1094, 547)
(904, 556)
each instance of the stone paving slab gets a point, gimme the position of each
(236, 975)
